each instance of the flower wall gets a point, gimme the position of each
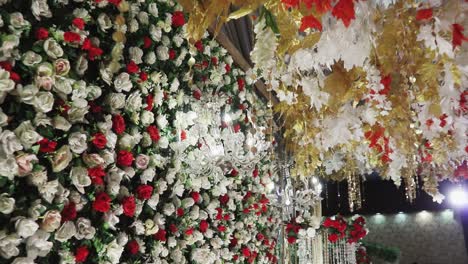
(120, 142)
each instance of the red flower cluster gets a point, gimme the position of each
(129, 206)
(71, 37)
(118, 124)
(153, 132)
(178, 19)
(97, 174)
(357, 230)
(69, 212)
(310, 22)
(81, 254)
(133, 247)
(93, 51)
(46, 146)
(292, 231)
(79, 23)
(424, 14)
(338, 226)
(102, 202)
(344, 10)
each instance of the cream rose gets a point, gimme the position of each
(85, 229)
(134, 102)
(27, 93)
(93, 92)
(6, 84)
(43, 102)
(136, 54)
(40, 8)
(61, 159)
(116, 100)
(61, 123)
(122, 82)
(93, 160)
(147, 118)
(27, 135)
(26, 227)
(65, 232)
(78, 142)
(38, 178)
(9, 143)
(52, 48)
(37, 245)
(153, 9)
(9, 245)
(81, 65)
(51, 221)
(24, 162)
(104, 22)
(7, 204)
(80, 178)
(17, 21)
(30, 58)
(161, 121)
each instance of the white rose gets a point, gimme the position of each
(51, 221)
(63, 85)
(43, 102)
(62, 67)
(85, 229)
(116, 100)
(150, 58)
(37, 178)
(24, 163)
(163, 53)
(134, 102)
(23, 261)
(79, 90)
(65, 232)
(108, 156)
(77, 112)
(142, 161)
(147, 176)
(40, 8)
(178, 40)
(163, 142)
(155, 33)
(80, 178)
(161, 121)
(27, 93)
(136, 54)
(105, 22)
(133, 26)
(26, 227)
(143, 18)
(93, 92)
(30, 58)
(53, 48)
(61, 159)
(61, 123)
(126, 141)
(147, 118)
(17, 21)
(93, 160)
(78, 142)
(9, 143)
(122, 82)
(114, 252)
(153, 9)
(81, 65)
(6, 84)
(9, 245)
(37, 245)
(7, 204)
(27, 135)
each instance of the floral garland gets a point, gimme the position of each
(122, 143)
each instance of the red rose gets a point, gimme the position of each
(226, 217)
(15, 77)
(292, 240)
(221, 228)
(180, 212)
(102, 202)
(47, 146)
(290, 3)
(144, 192)
(132, 67)
(99, 140)
(199, 46)
(94, 52)
(189, 231)
(42, 33)
(236, 128)
(124, 158)
(79, 23)
(147, 42)
(172, 54)
(246, 252)
(423, 14)
(183, 135)
(160, 235)
(234, 173)
(233, 242)
(69, 212)
(224, 199)
(71, 37)
(86, 44)
(197, 94)
(173, 228)
(333, 238)
(227, 68)
(149, 102)
(118, 124)
(203, 226)
(214, 60)
(241, 84)
(129, 206)
(154, 133)
(96, 174)
(143, 76)
(178, 19)
(260, 237)
(114, 2)
(255, 173)
(81, 254)
(133, 247)
(195, 196)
